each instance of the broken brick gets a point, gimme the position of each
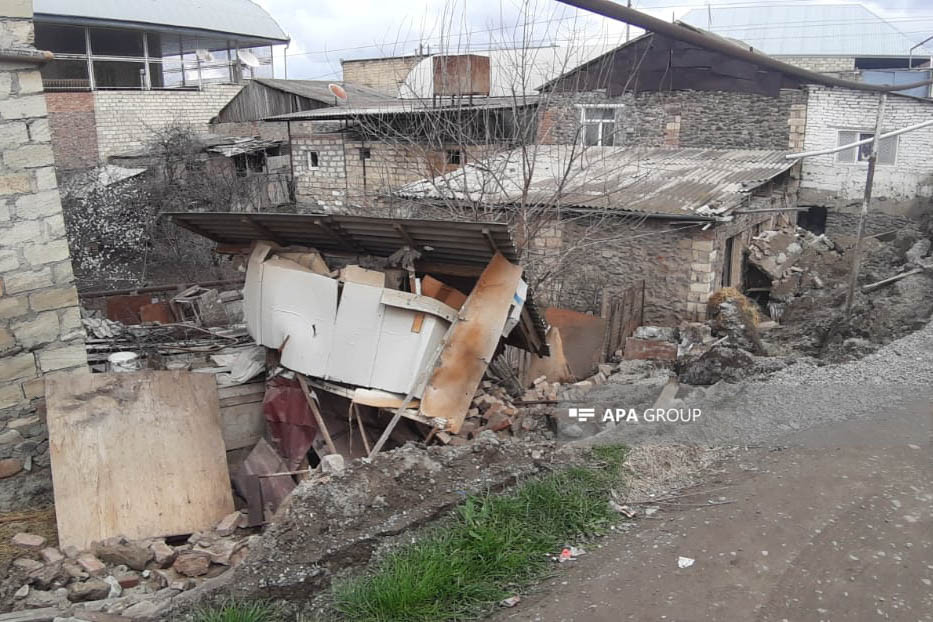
(228, 524)
(192, 563)
(91, 565)
(28, 540)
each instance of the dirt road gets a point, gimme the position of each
(837, 526)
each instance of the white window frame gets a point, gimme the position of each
(859, 160)
(308, 157)
(598, 122)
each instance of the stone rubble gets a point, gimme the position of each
(119, 576)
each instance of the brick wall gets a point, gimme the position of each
(714, 119)
(382, 74)
(74, 129)
(40, 322)
(904, 188)
(821, 64)
(127, 119)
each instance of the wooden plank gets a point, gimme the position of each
(317, 413)
(251, 388)
(139, 455)
(242, 425)
(407, 300)
(240, 400)
(471, 344)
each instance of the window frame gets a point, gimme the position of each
(315, 156)
(857, 154)
(599, 123)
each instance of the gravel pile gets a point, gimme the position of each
(894, 381)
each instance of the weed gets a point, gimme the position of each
(239, 611)
(496, 544)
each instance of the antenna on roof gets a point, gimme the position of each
(338, 92)
(247, 58)
(204, 56)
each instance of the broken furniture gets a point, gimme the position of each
(138, 455)
(362, 335)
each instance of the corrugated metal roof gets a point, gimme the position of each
(692, 183)
(439, 242)
(403, 106)
(358, 95)
(241, 17)
(807, 29)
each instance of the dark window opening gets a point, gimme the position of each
(60, 39)
(366, 153)
(727, 262)
(454, 156)
(890, 63)
(110, 42)
(313, 159)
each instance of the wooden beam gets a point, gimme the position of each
(263, 230)
(335, 233)
(317, 413)
(489, 240)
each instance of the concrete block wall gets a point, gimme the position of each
(126, 120)
(40, 321)
(904, 188)
(714, 119)
(821, 64)
(383, 74)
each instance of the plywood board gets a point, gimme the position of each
(471, 344)
(135, 454)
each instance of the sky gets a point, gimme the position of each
(325, 31)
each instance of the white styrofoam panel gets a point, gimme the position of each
(401, 353)
(356, 334)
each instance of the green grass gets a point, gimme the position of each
(495, 545)
(239, 611)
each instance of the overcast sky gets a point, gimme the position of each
(325, 31)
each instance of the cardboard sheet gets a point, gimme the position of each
(136, 454)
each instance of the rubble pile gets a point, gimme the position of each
(894, 296)
(119, 576)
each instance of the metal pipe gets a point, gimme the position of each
(35, 57)
(675, 31)
(864, 141)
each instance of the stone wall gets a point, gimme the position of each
(40, 322)
(904, 188)
(74, 129)
(382, 74)
(821, 64)
(714, 119)
(681, 263)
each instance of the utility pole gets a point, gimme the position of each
(866, 200)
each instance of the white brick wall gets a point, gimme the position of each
(126, 119)
(901, 188)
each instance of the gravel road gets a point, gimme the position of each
(768, 411)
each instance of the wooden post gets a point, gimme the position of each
(316, 413)
(866, 201)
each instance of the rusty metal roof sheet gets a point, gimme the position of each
(470, 244)
(690, 182)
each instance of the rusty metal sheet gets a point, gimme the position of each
(471, 344)
(582, 337)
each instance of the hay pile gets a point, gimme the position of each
(735, 316)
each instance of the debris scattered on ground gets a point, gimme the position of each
(511, 601)
(685, 562)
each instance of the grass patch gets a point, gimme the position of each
(495, 544)
(239, 611)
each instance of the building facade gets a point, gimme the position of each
(123, 71)
(903, 183)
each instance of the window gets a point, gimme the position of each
(366, 153)
(887, 148)
(455, 157)
(313, 159)
(598, 126)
